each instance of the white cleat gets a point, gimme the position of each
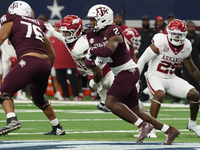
(195, 128)
(152, 134)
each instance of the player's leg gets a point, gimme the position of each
(183, 89)
(156, 86)
(38, 88)
(122, 87)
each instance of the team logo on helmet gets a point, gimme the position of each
(101, 11)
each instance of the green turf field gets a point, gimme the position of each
(82, 121)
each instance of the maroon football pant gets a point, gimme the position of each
(124, 88)
(31, 71)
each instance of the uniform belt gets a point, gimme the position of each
(35, 54)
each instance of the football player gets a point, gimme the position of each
(35, 58)
(77, 44)
(163, 55)
(106, 40)
(133, 39)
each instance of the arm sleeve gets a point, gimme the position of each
(58, 36)
(146, 57)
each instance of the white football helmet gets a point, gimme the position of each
(20, 8)
(102, 14)
(177, 32)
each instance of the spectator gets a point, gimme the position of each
(33, 67)
(65, 67)
(146, 34)
(119, 21)
(170, 18)
(160, 25)
(195, 40)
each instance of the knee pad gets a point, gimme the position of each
(4, 97)
(42, 103)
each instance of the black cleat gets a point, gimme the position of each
(57, 130)
(102, 107)
(12, 124)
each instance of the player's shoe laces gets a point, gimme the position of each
(102, 107)
(171, 134)
(57, 130)
(194, 128)
(144, 129)
(12, 124)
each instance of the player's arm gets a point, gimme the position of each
(150, 53)
(192, 69)
(5, 31)
(54, 33)
(109, 48)
(49, 49)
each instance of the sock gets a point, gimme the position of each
(164, 128)
(138, 122)
(54, 122)
(10, 115)
(192, 123)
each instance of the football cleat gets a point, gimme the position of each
(102, 107)
(144, 129)
(172, 133)
(57, 130)
(58, 96)
(12, 124)
(194, 128)
(152, 134)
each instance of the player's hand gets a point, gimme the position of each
(49, 27)
(89, 55)
(95, 85)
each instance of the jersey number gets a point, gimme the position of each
(33, 28)
(116, 31)
(166, 67)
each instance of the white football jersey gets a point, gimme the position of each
(164, 64)
(79, 51)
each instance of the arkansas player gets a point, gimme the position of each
(163, 55)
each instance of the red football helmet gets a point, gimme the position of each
(132, 37)
(12, 61)
(71, 28)
(177, 32)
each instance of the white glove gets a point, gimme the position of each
(49, 27)
(89, 55)
(95, 85)
(53, 32)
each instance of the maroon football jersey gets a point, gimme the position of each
(27, 34)
(121, 55)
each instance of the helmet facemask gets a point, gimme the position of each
(176, 37)
(71, 37)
